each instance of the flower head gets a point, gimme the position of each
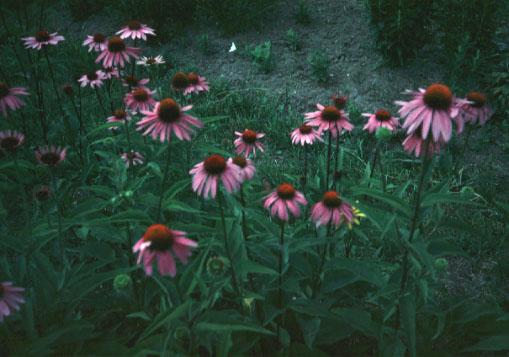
(414, 143)
(381, 119)
(167, 118)
(180, 81)
(9, 97)
(305, 134)
(196, 84)
(134, 30)
(10, 140)
(206, 176)
(42, 39)
(118, 116)
(140, 99)
(110, 72)
(50, 155)
(283, 200)
(248, 141)
(329, 118)
(332, 209)
(96, 42)
(92, 79)
(162, 243)
(132, 158)
(476, 109)
(246, 166)
(150, 61)
(132, 81)
(10, 299)
(117, 53)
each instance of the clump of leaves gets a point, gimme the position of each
(303, 16)
(293, 40)
(262, 56)
(320, 64)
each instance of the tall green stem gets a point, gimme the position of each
(59, 216)
(329, 153)
(280, 278)
(164, 181)
(244, 222)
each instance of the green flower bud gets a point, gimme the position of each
(441, 264)
(383, 134)
(128, 194)
(216, 266)
(121, 281)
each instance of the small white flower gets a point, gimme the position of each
(233, 48)
(149, 61)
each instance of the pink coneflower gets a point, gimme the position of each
(50, 155)
(117, 53)
(10, 299)
(41, 39)
(332, 209)
(414, 143)
(206, 176)
(247, 169)
(119, 116)
(92, 79)
(166, 118)
(150, 61)
(134, 30)
(180, 81)
(132, 158)
(97, 42)
(9, 97)
(140, 99)
(247, 142)
(285, 198)
(10, 140)
(432, 108)
(329, 118)
(381, 119)
(305, 134)
(196, 84)
(161, 243)
(477, 110)
(132, 81)
(110, 72)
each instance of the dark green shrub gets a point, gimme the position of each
(83, 9)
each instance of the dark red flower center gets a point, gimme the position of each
(67, 89)
(478, 99)
(193, 78)
(151, 60)
(169, 110)
(9, 143)
(331, 113)
(140, 95)
(92, 76)
(159, 236)
(382, 115)
(134, 25)
(131, 80)
(249, 136)
(99, 38)
(438, 96)
(331, 199)
(180, 80)
(4, 90)
(42, 36)
(50, 158)
(215, 164)
(120, 114)
(339, 101)
(116, 44)
(42, 193)
(286, 191)
(240, 161)
(305, 129)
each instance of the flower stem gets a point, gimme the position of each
(329, 152)
(59, 216)
(305, 175)
(280, 280)
(374, 161)
(244, 222)
(165, 177)
(100, 101)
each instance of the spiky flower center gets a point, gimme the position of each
(478, 99)
(151, 60)
(92, 76)
(134, 25)
(116, 44)
(215, 164)
(42, 36)
(4, 90)
(193, 78)
(249, 136)
(438, 97)
(305, 129)
(331, 113)
(140, 95)
(180, 80)
(131, 80)
(9, 143)
(382, 115)
(340, 102)
(331, 199)
(169, 110)
(50, 158)
(240, 161)
(286, 191)
(120, 114)
(99, 38)
(159, 236)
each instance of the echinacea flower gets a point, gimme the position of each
(477, 109)
(196, 84)
(161, 243)
(41, 39)
(9, 97)
(167, 118)
(140, 99)
(119, 116)
(206, 176)
(92, 79)
(381, 119)
(50, 155)
(132, 158)
(10, 299)
(97, 42)
(283, 200)
(134, 30)
(247, 142)
(329, 118)
(305, 134)
(150, 61)
(110, 72)
(180, 81)
(332, 209)
(132, 81)
(247, 169)
(117, 53)
(414, 143)
(10, 140)
(432, 109)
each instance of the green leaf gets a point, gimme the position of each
(491, 343)
(397, 203)
(431, 199)
(233, 327)
(249, 266)
(309, 328)
(164, 318)
(407, 309)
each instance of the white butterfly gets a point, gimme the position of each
(233, 48)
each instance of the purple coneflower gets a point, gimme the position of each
(134, 30)
(42, 39)
(92, 79)
(140, 99)
(132, 158)
(9, 97)
(332, 209)
(329, 118)
(97, 42)
(196, 84)
(305, 134)
(247, 142)
(477, 109)
(246, 166)
(10, 140)
(283, 200)
(381, 119)
(206, 176)
(117, 53)
(11, 298)
(50, 155)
